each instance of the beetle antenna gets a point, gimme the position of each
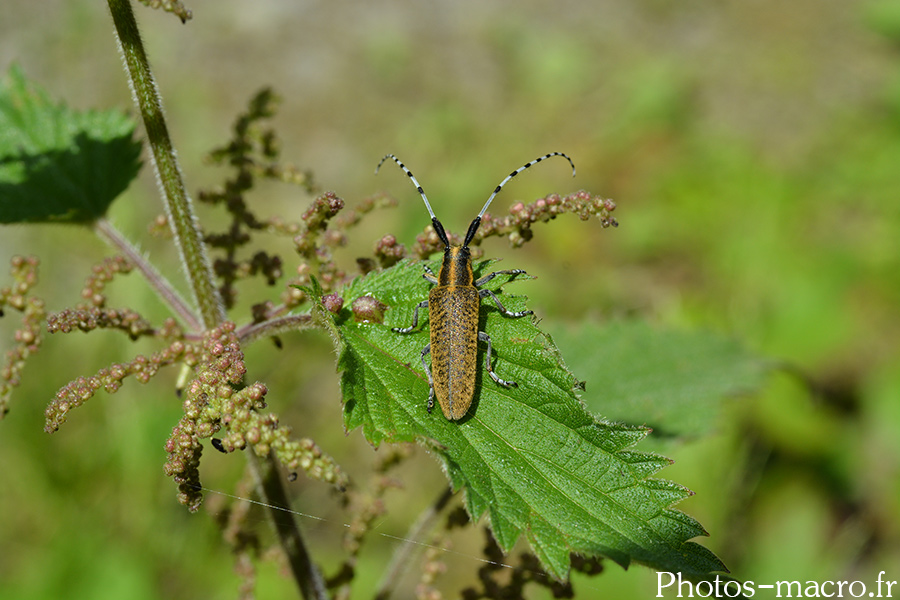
(411, 178)
(508, 177)
(438, 228)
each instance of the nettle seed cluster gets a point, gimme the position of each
(28, 337)
(517, 226)
(213, 401)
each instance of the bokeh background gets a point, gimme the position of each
(753, 149)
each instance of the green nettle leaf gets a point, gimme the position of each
(531, 457)
(673, 381)
(57, 164)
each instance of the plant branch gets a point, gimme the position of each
(268, 482)
(251, 333)
(401, 558)
(168, 173)
(114, 238)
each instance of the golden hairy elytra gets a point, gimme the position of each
(453, 304)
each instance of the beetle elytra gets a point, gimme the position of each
(453, 304)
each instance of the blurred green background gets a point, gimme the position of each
(753, 149)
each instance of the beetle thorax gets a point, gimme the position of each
(457, 267)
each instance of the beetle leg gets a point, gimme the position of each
(429, 275)
(508, 313)
(482, 336)
(490, 276)
(415, 322)
(425, 351)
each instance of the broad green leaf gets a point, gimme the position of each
(672, 381)
(532, 458)
(57, 164)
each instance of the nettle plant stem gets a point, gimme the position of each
(196, 263)
(160, 284)
(165, 163)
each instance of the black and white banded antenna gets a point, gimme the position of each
(519, 170)
(411, 178)
(473, 227)
(438, 228)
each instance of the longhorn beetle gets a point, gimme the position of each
(453, 306)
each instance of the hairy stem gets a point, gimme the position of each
(269, 483)
(170, 296)
(199, 272)
(168, 173)
(251, 333)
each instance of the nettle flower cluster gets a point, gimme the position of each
(215, 401)
(516, 227)
(28, 337)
